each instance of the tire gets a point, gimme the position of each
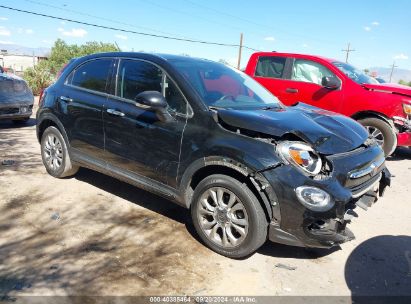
(384, 131)
(54, 154)
(229, 221)
(21, 121)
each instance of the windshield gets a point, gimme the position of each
(224, 87)
(355, 74)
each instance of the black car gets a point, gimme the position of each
(213, 140)
(16, 98)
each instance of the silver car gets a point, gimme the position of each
(16, 98)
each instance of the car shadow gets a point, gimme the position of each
(379, 270)
(8, 124)
(134, 195)
(284, 251)
(400, 153)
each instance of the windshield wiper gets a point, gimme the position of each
(271, 108)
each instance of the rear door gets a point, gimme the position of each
(136, 140)
(272, 72)
(305, 85)
(82, 99)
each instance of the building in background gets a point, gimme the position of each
(18, 63)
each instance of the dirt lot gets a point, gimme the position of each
(94, 235)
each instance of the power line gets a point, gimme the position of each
(258, 24)
(124, 30)
(96, 17)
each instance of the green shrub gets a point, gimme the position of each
(38, 77)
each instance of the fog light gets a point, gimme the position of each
(23, 109)
(314, 198)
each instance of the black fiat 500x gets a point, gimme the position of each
(213, 140)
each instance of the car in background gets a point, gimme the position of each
(383, 109)
(213, 140)
(16, 98)
(380, 80)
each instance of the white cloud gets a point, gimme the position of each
(29, 31)
(401, 57)
(47, 41)
(6, 42)
(305, 45)
(270, 38)
(79, 33)
(62, 23)
(375, 23)
(4, 18)
(4, 31)
(367, 29)
(122, 37)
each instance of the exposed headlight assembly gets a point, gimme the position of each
(300, 155)
(407, 108)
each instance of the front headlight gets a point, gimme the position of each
(407, 108)
(301, 156)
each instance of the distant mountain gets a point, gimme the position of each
(399, 74)
(22, 50)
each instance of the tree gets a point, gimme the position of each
(43, 74)
(405, 83)
(38, 77)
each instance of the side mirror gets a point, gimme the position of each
(156, 102)
(331, 83)
(152, 99)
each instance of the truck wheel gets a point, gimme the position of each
(228, 217)
(382, 132)
(55, 155)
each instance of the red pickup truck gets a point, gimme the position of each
(383, 109)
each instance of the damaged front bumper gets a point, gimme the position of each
(294, 224)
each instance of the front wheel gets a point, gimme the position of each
(228, 217)
(382, 132)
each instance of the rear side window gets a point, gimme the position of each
(136, 77)
(92, 75)
(270, 67)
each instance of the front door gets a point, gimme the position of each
(136, 140)
(305, 85)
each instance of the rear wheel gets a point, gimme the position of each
(382, 132)
(228, 217)
(55, 155)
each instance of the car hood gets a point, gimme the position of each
(14, 89)
(327, 132)
(389, 88)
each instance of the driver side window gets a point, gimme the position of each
(309, 71)
(136, 76)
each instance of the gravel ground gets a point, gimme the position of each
(94, 235)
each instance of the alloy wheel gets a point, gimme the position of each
(223, 217)
(53, 152)
(376, 134)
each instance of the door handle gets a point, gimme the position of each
(67, 99)
(115, 112)
(291, 90)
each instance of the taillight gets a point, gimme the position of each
(41, 98)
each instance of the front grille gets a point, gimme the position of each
(361, 188)
(8, 111)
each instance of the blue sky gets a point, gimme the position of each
(379, 31)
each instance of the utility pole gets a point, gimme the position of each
(240, 51)
(392, 69)
(348, 51)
